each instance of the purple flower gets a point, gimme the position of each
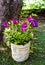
(5, 24)
(24, 26)
(14, 21)
(34, 23)
(30, 19)
(24, 29)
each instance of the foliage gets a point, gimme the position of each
(34, 6)
(20, 33)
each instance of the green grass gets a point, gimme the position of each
(35, 58)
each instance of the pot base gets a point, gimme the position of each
(20, 53)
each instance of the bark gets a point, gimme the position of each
(9, 9)
(15, 8)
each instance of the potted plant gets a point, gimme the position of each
(19, 35)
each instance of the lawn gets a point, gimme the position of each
(35, 58)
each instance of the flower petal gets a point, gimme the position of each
(34, 24)
(5, 24)
(24, 26)
(14, 21)
(30, 19)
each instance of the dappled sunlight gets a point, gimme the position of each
(3, 49)
(34, 3)
(42, 25)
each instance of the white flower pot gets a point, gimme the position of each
(20, 53)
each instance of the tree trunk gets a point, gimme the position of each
(9, 9)
(15, 8)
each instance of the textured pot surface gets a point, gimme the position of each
(20, 53)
